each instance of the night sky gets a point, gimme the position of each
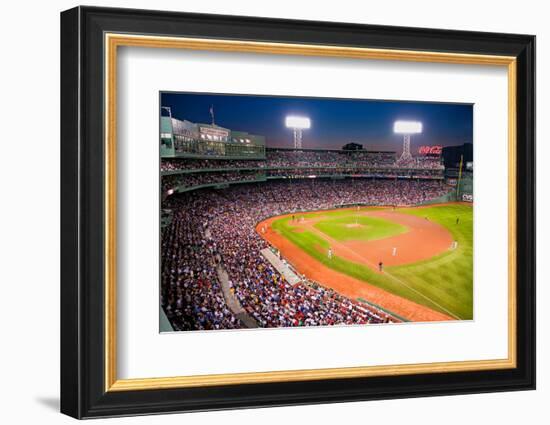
(334, 122)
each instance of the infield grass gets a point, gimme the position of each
(443, 283)
(355, 227)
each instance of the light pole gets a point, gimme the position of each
(297, 124)
(406, 128)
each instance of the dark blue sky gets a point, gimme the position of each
(334, 122)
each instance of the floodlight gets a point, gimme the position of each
(407, 127)
(298, 122)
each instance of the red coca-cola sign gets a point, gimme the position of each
(430, 150)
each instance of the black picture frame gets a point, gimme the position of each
(83, 392)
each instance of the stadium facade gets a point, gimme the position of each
(185, 139)
(198, 156)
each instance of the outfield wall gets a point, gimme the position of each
(449, 197)
(466, 188)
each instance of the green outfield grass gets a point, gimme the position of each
(443, 283)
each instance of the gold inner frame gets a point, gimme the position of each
(113, 41)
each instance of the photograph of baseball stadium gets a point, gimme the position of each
(302, 211)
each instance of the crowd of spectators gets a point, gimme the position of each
(190, 180)
(191, 294)
(176, 164)
(295, 164)
(304, 158)
(196, 179)
(353, 171)
(213, 228)
(420, 163)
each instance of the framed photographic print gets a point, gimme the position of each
(261, 212)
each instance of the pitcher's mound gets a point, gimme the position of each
(353, 225)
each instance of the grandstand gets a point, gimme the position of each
(215, 203)
(182, 174)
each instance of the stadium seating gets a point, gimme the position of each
(216, 228)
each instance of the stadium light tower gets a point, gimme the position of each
(297, 124)
(406, 128)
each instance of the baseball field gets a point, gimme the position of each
(414, 262)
